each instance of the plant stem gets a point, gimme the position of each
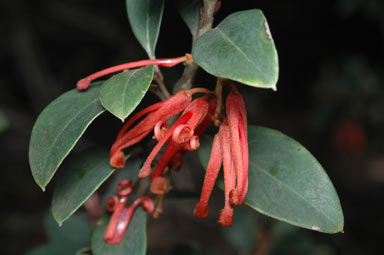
(163, 91)
(219, 98)
(186, 80)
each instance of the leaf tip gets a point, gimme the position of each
(41, 185)
(59, 222)
(340, 228)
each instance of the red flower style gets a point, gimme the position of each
(175, 150)
(83, 84)
(122, 215)
(230, 148)
(157, 114)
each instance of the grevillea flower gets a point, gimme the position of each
(237, 121)
(155, 119)
(230, 148)
(174, 152)
(122, 214)
(181, 132)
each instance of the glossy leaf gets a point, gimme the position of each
(190, 12)
(58, 128)
(240, 48)
(145, 19)
(287, 183)
(134, 242)
(64, 240)
(123, 92)
(80, 178)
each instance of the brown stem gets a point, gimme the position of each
(186, 80)
(219, 98)
(163, 92)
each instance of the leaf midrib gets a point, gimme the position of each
(125, 89)
(147, 31)
(48, 154)
(242, 53)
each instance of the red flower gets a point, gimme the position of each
(230, 147)
(174, 151)
(122, 215)
(157, 114)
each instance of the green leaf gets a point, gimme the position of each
(145, 19)
(134, 242)
(66, 239)
(80, 178)
(190, 12)
(287, 183)
(123, 92)
(240, 48)
(58, 128)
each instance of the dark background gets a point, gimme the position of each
(330, 98)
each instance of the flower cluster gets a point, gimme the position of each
(230, 145)
(182, 135)
(121, 213)
(230, 148)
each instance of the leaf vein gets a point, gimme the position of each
(243, 53)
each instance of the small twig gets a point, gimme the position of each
(158, 77)
(160, 198)
(186, 80)
(219, 98)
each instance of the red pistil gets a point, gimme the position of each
(226, 214)
(156, 113)
(214, 164)
(168, 62)
(230, 147)
(121, 217)
(174, 152)
(237, 121)
(181, 131)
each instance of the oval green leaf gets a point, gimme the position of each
(240, 48)
(66, 239)
(190, 12)
(58, 128)
(287, 183)
(80, 178)
(134, 242)
(145, 19)
(123, 92)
